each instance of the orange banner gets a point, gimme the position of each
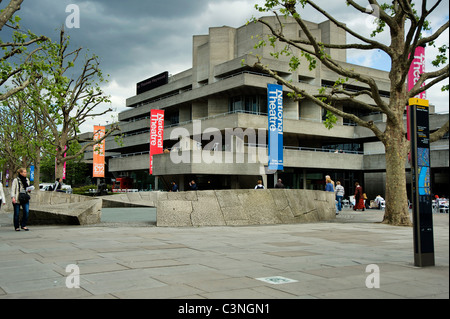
(99, 152)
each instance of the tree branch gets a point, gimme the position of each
(7, 13)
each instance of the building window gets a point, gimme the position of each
(253, 104)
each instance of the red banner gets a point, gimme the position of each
(156, 134)
(99, 152)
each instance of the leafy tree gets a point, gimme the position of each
(406, 27)
(16, 57)
(18, 47)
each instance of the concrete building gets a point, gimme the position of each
(220, 93)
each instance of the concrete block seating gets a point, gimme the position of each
(244, 207)
(189, 209)
(54, 208)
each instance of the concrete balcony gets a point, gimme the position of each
(252, 162)
(241, 120)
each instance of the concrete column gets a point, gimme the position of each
(185, 114)
(217, 106)
(290, 108)
(181, 183)
(156, 183)
(199, 110)
(264, 179)
(304, 179)
(310, 111)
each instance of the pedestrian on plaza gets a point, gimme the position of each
(340, 192)
(2, 196)
(174, 187)
(328, 177)
(359, 198)
(259, 185)
(279, 184)
(193, 186)
(329, 187)
(58, 185)
(19, 190)
(379, 200)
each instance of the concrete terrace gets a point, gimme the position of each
(124, 260)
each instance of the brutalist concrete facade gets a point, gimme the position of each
(220, 92)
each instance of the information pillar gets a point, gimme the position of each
(421, 183)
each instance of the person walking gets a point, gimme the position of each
(359, 199)
(2, 196)
(340, 192)
(329, 187)
(58, 185)
(259, 185)
(279, 184)
(19, 186)
(193, 186)
(174, 187)
(327, 177)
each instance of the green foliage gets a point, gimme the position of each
(330, 120)
(83, 190)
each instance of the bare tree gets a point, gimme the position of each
(64, 102)
(406, 28)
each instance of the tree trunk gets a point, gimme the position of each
(397, 209)
(59, 169)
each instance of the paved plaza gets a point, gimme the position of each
(352, 257)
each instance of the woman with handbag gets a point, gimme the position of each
(20, 197)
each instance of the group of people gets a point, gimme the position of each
(339, 191)
(279, 184)
(192, 186)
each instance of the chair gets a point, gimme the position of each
(443, 209)
(443, 206)
(345, 203)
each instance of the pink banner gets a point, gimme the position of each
(416, 69)
(64, 168)
(156, 134)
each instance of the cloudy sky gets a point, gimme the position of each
(137, 39)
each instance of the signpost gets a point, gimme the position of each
(420, 179)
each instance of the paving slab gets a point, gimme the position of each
(127, 259)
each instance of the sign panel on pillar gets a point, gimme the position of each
(420, 182)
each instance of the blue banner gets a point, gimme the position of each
(275, 119)
(32, 173)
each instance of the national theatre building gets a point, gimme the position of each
(216, 121)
